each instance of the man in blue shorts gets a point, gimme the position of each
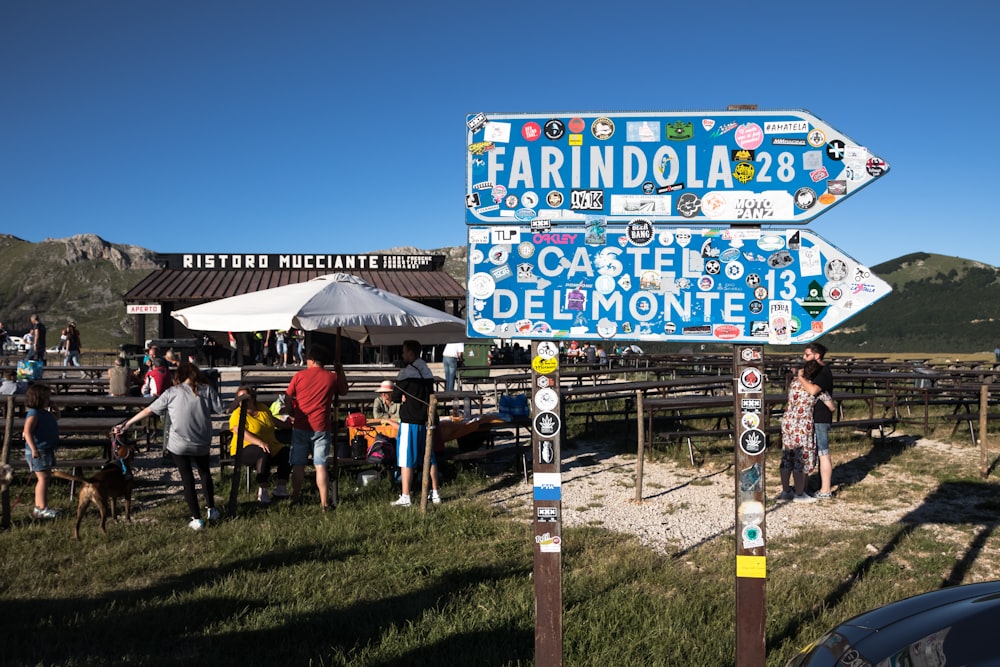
(413, 389)
(310, 396)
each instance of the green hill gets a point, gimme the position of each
(938, 304)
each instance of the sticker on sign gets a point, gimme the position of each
(740, 167)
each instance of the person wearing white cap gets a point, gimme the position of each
(383, 408)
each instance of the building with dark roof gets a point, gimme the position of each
(190, 279)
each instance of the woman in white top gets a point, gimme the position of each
(189, 404)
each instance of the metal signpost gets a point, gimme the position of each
(612, 227)
(547, 480)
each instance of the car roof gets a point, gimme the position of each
(947, 624)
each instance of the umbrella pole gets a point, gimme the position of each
(428, 452)
(335, 473)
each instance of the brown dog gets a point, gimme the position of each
(111, 482)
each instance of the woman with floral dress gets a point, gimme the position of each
(798, 444)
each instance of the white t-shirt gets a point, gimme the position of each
(455, 350)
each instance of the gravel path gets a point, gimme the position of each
(683, 507)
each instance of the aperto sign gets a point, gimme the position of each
(698, 168)
(649, 282)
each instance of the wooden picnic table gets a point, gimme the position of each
(691, 407)
(80, 414)
(58, 371)
(700, 383)
(70, 384)
(278, 382)
(95, 402)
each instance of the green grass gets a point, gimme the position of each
(371, 584)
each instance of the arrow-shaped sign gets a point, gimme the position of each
(640, 283)
(694, 168)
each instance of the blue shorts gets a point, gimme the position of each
(46, 459)
(280, 346)
(822, 439)
(411, 444)
(303, 442)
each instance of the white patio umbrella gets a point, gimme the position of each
(335, 303)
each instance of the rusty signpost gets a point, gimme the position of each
(751, 444)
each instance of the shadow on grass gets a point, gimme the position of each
(175, 620)
(853, 471)
(955, 503)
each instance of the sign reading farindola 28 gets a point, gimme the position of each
(705, 168)
(655, 282)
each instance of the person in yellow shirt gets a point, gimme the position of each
(261, 448)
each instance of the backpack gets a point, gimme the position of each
(381, 451)
(359, 446)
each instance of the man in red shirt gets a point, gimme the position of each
(309, 397)
(158, 378)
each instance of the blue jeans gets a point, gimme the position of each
(822, 439)
(304, 441)
(450, 369)
(46, 458)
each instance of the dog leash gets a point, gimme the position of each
(17, 499)
(116, 444)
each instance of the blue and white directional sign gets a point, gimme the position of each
(643, 282)
(691, 168)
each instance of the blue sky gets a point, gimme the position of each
(250, 126)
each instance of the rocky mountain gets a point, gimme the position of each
(80, 278)
(939, 304)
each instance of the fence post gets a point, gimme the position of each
(984, 450)
(640, 408)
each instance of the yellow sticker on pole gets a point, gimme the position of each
(751, 567)
(545, 366)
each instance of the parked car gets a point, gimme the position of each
(951, 626)
(14, 345)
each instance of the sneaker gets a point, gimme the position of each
(214, 514)
(403, 501)
(819, 495)
(196, 524)
(786, 495)
(262, 496)
(280, 491)
(804, 498)
(435, 497)
(44, 513)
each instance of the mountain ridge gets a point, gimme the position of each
(938, 303)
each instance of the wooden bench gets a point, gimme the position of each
(590, 417)
(869, 424)
(334, 464)
(972, 419)
(490, 453)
